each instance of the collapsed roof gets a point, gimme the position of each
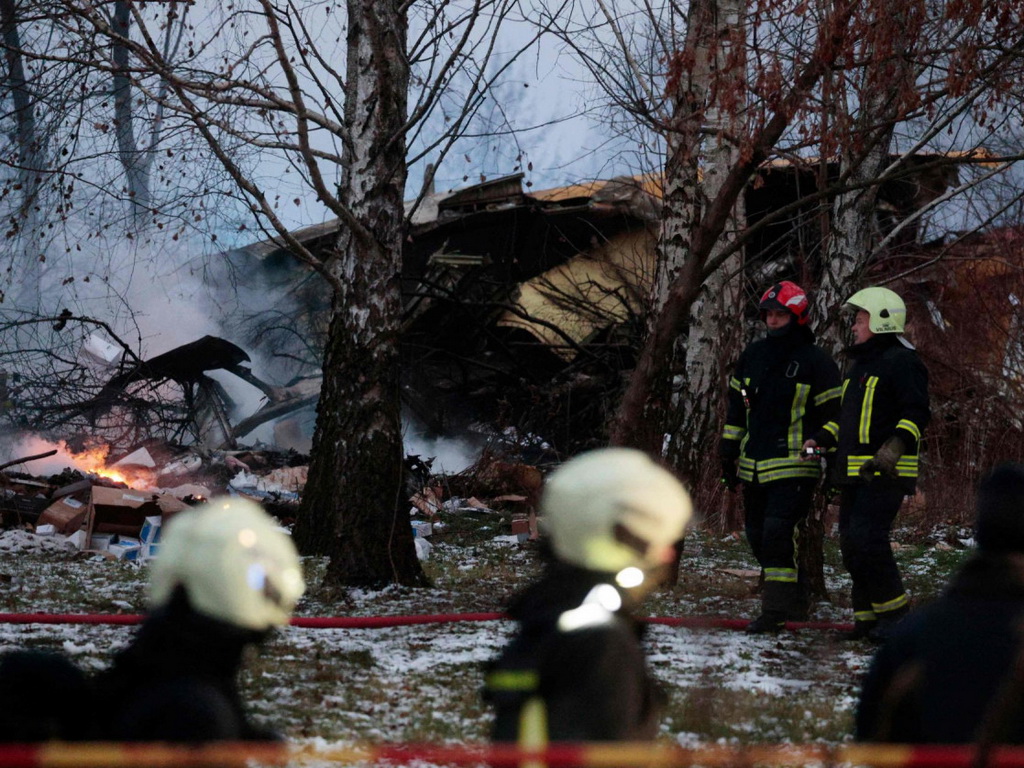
(507, 289)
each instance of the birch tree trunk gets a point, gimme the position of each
(358, 432)
(25, 219)
(681, 209)
(132, 160)
(881, 96)
(715, 317)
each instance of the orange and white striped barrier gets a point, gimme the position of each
(584, 755)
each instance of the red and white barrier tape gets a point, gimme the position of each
(585, 755)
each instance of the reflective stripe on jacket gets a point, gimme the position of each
(782, 391)
(884, 395)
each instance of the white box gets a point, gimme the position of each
(151, 527)
(421, 529)
(101, 349)
(126, 548)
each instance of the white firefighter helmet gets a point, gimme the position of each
(886, 310)
(234, 562)
(613, 508)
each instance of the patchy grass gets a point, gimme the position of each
(422, 682)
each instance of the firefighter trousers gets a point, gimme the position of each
(773, 514)
(866, 515)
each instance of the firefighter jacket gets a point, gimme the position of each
(950, 672)
(884, 395)
(783, 389)
(177, 680)
(574, 671)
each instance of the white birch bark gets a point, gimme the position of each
(714, 316)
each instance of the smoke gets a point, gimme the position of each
(14, 447)
(450, 454)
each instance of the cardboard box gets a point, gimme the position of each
(99, 509)
(421, 529)
(66, 515)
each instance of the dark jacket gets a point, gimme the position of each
(783, 389)
(592, 680)
(884, 395)
(937, 679)
(177, 681)
(44, 696)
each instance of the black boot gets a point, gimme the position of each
(886, 624)
(861, 631)
(769, 621)
(800, 608)
(784, 599)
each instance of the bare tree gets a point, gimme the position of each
(641, 412)
(268, 78)
(908, 80)
(27, 140)
(716, 315)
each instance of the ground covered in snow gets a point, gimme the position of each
(422, 682)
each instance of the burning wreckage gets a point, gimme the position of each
(115, 502)
(521, 311)
(105, 497)
(104, 493)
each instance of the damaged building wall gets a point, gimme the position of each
(505, 288)
(521, 309)
(571, 304)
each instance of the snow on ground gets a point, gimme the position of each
(421, 682)
(16, 541)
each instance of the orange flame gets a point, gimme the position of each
(94, 461)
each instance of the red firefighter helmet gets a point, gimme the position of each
(788, 297)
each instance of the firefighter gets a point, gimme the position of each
(952, 673)
(225, 576)
(576, 671)
(877, 443)
(783, 389)
(44, 696)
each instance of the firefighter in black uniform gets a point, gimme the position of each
(225, 576)
(575, 670)
(783, 389)
(952, 672)
(877, 443)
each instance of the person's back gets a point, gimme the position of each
(225, 577)
(935, 679)
(576, 671)
(953, 671)
(572, 668)
(177, 680)
(44, 696)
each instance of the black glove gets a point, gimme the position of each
(884, 460)
(730, 478)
